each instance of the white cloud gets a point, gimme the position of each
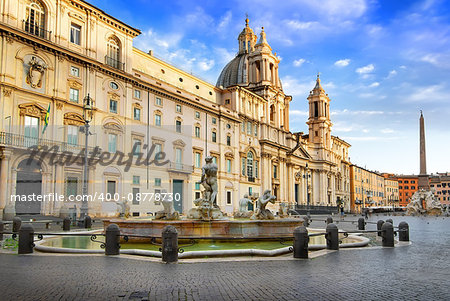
(225, 21)
(374, 85)
(366, 69)
(427, 94)
(342, 63)
(392, 73)
(387, 131)
(298, 25)
(358, 112)
(298, 113)
(206, 65)
(299, 62)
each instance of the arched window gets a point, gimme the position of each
(250, 164)
(113, 53)
(35, 18)
(272, 113)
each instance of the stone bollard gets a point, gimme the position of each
(332, 237)
(301, 240)
(169, 244)
(112, 246)
(66, 223)
(379, 225)
(26, 239)
(387, 235)
(17, 222)
(2, 228)
(329, 220)
(389, 220)
(306, 221)
(361, 223)
(403, 231)
(87, 222)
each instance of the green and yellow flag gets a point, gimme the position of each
(47, 116)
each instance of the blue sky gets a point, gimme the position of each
(380, 62)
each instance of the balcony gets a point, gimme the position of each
(36, 30)
(251, 179)
(114, 63)
(180, 168)
(24, 142)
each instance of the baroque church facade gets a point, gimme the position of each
(54, 54)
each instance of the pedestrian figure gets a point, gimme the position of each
(365, 214)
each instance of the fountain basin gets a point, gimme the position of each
(214, 228)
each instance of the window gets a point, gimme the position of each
(72, 186)
(113, 53)
(198, 159)
(135, 196)
(197, 115)
(31, 130)
(158, 148)
(178, 126)
(35, 20)
(275, 172)
(136, 180)
(214, 137)
(74, 71)
(111, 188)
(256, 169)
(157, 120)
(158, 101)
(137, 94)
(228, 126)
(197, 132)
(113, 106)
(136, 147)
(256, 130)
(249, 128)
(197, 186)
(75, 31)
(228, 163)
(243, 127)
(179, 158)
(114, 85)
(157, 182)
(243, 166)
(272, 113)
(250, 164)
(214, 120)
(178, 108)
(72, 135)
(413, 182)
(74, 95)
(136, 113)
(228, 197)
(214, 160)
(228, 140)
(197, 194)
(112, 143)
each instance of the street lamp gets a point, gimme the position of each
(307, 177)
(362, 193)
(87, 116)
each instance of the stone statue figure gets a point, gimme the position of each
(207, 208)
(168, 211)
(422, 202)
(243, 207)
(261, 211)
(283, 210)
(123, 208)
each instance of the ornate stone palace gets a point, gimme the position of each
(56, 53)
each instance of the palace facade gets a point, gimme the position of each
(54, 54)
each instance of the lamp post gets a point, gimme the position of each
(362, 193)
(87, 116)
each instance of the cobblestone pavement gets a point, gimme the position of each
(420, 271)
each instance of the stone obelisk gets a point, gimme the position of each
(423, 177)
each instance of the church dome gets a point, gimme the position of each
(235, 72)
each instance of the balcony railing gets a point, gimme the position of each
(180, 167)
(36, 30)
(251, 179)
(24, 142)
(114, 63)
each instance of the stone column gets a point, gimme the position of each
(4, 168)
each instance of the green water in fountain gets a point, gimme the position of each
(84, 242)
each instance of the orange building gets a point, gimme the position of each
(440, 185)
(407, 185)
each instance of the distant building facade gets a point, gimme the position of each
(57, 53)
(407, 185)
(367, 189)
(440, 185)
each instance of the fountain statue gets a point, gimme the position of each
(243, 207)
(424, 201)
(207, 208)
(168, 212)
(283, 210)
(261, 212)
(123, 208)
